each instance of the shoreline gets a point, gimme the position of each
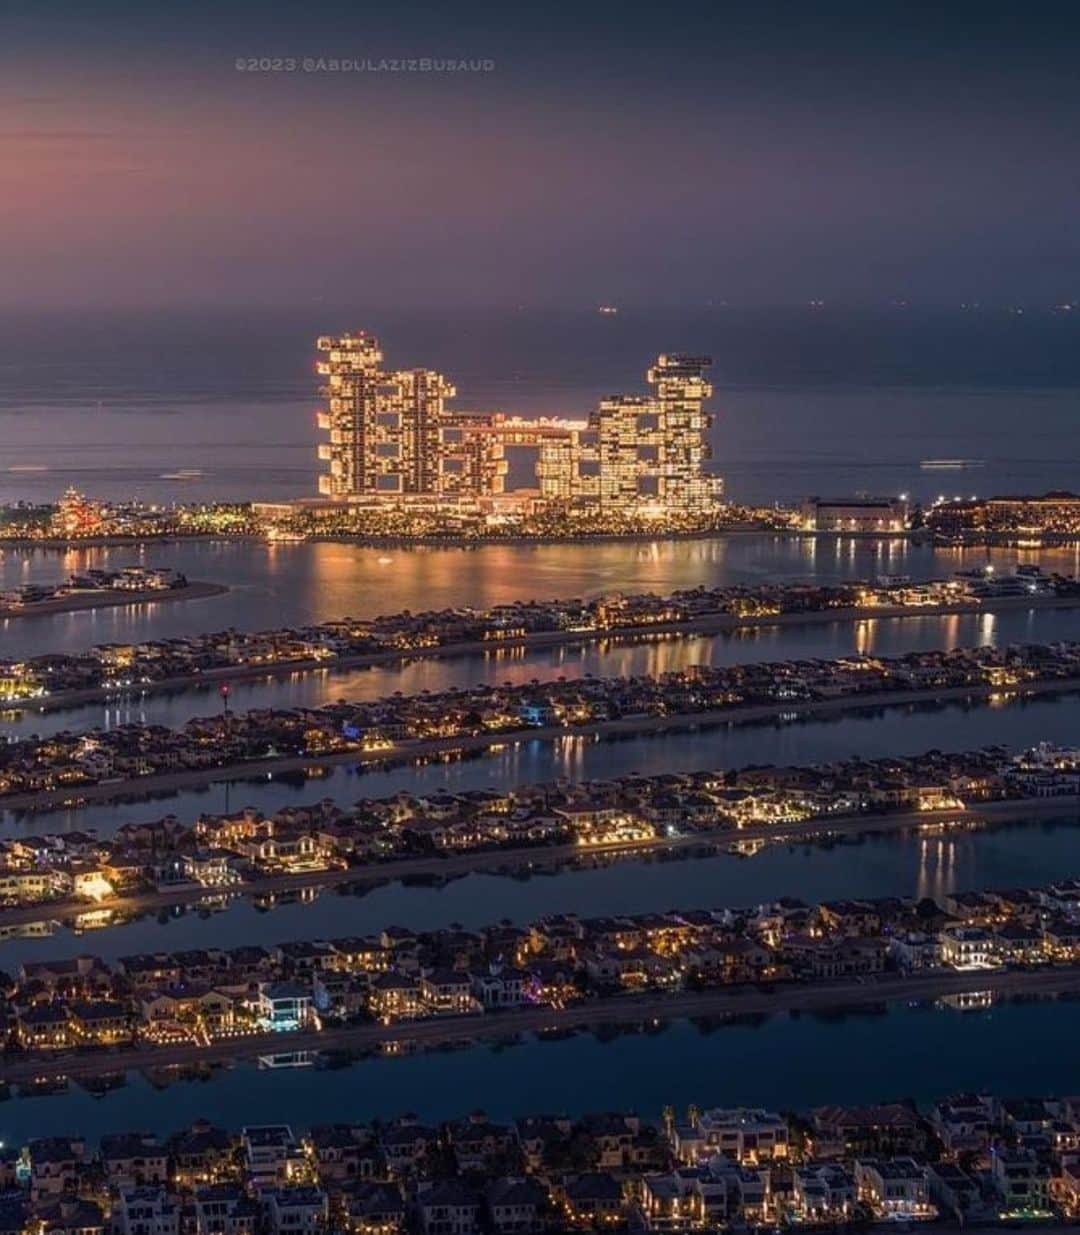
(720, 623)
(112, 598)
(723, 1001)
(432, 540)
(629, 726)
(1005, 540)
(64, 544)
(504, 861)
(383, 540)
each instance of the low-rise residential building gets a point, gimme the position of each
(71, 1215)
(375, 1209)
(889, 1128)
(594, 1199)
(739, 1133)
(894, 1188)
(1022, 1181)
(269, 1153)
(133, 1160)
(146, 1211)
(225, 1209)
(448, 1207)
(55, 1166)
(823, 1192)
(300, 1210)
(287, 1007)
(448, 992)
(968, 947)
(517, 1205)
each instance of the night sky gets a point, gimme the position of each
(667, 154)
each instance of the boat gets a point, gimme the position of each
(608, 310)
(938, 465)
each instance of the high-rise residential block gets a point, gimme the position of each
(392, 436)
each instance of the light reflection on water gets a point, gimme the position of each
(875, 865)
(760, 1062)
(937, 864)
(271, 585)
(654, 656)
(871, 732)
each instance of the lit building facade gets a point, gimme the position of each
(647, 454)
(76, 515)
(391, 436)
(1055, 513)
(385, 429)
(875, 515)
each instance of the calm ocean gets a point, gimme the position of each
(807, 401)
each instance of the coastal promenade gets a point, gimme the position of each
(715, 624)
(407, 750)
(497, 861)
(111, 598)
(618, 1009)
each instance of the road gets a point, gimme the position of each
(628, 726)
(544, 857)
(719, 623)
(613, 1010)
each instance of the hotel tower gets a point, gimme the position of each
(391, 436)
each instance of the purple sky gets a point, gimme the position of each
(676, 154)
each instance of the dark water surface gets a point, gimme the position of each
(1007, 855)
(654, 656)
(276, 585)
(904, 730)
(783, 1062)
(807, 401)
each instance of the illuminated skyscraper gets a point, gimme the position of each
(350, 365)
(681, 390)
(650, 451)
(392, 436)
(385, 428)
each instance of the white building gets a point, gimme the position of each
(448, 1207)
(268, 1151)
(823, 1191)
(285, 1007)
(864, 515)
(225, 1209)
(968, 947)
(295, 1211)
(894, 1188)
(742, 1134)
(505, 988)
(146, 1211)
